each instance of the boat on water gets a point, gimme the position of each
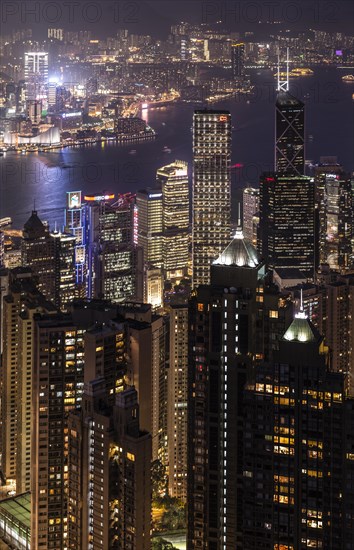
(5, 221)
(32, 149)
(167, 149)
(348, 78)
(301, 71)
(132, 152)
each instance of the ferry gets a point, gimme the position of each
(302, 71)
(348, 78)
(167, 149)
(5, 221)
(32, 149)
(132, 152)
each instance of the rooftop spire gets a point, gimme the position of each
(283, 85)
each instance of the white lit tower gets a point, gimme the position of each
(36, 76)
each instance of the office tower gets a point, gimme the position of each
(238, 318)
(173, 181)
(150, 225)
(36, 75)
(121, 275)
(287, 222)
(109, 486)
(336, 221)
(21, 300)
(55, 33)
(75, 224)
(297, 449)
(238, 59)
(249, 211)
(153, 287)
(147, 371)
(211, 203)
(115, 263)
(52, 95)
(57, 385)
(65, 282)
(37, 251)
(289, 131)
(177, 397)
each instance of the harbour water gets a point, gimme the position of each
(44, 178)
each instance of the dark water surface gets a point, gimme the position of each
(46, 177)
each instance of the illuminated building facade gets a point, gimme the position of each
(238, 59)
(249, 211)
(75, 224)
(289, 135)
(297, 449)
(57, 386)
(150, 225)
(286, 237)
(177, 398)
(37, 251)
(336, 217)
(233, 321)
(211, 203)
(21, 300)
(36, 75)
(65, 280)
(147, 370)
(114, 261)
(109, 486)
(173, 181)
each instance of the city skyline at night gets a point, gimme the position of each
(176, 276)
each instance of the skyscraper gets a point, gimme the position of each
(336, 222)
(75, 224)
(57, 385)
(21, 301)
(150, 225)
(297, 449)
(238, 59)
(287, 222)
(234, 320)
(37, 251)
(65, 280)
(211, 203)
(173, 181)
(289, 134)
(250, 208)
(36, 75)
(109, 487)
(177, 398)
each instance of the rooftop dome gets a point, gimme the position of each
(301, 329)
(240, 252)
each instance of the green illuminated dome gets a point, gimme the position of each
(301, 330)
(240, 252)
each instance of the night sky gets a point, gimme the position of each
(104, 17)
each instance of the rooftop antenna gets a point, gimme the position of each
(283, 85)
(34, 205)
(239, 215)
